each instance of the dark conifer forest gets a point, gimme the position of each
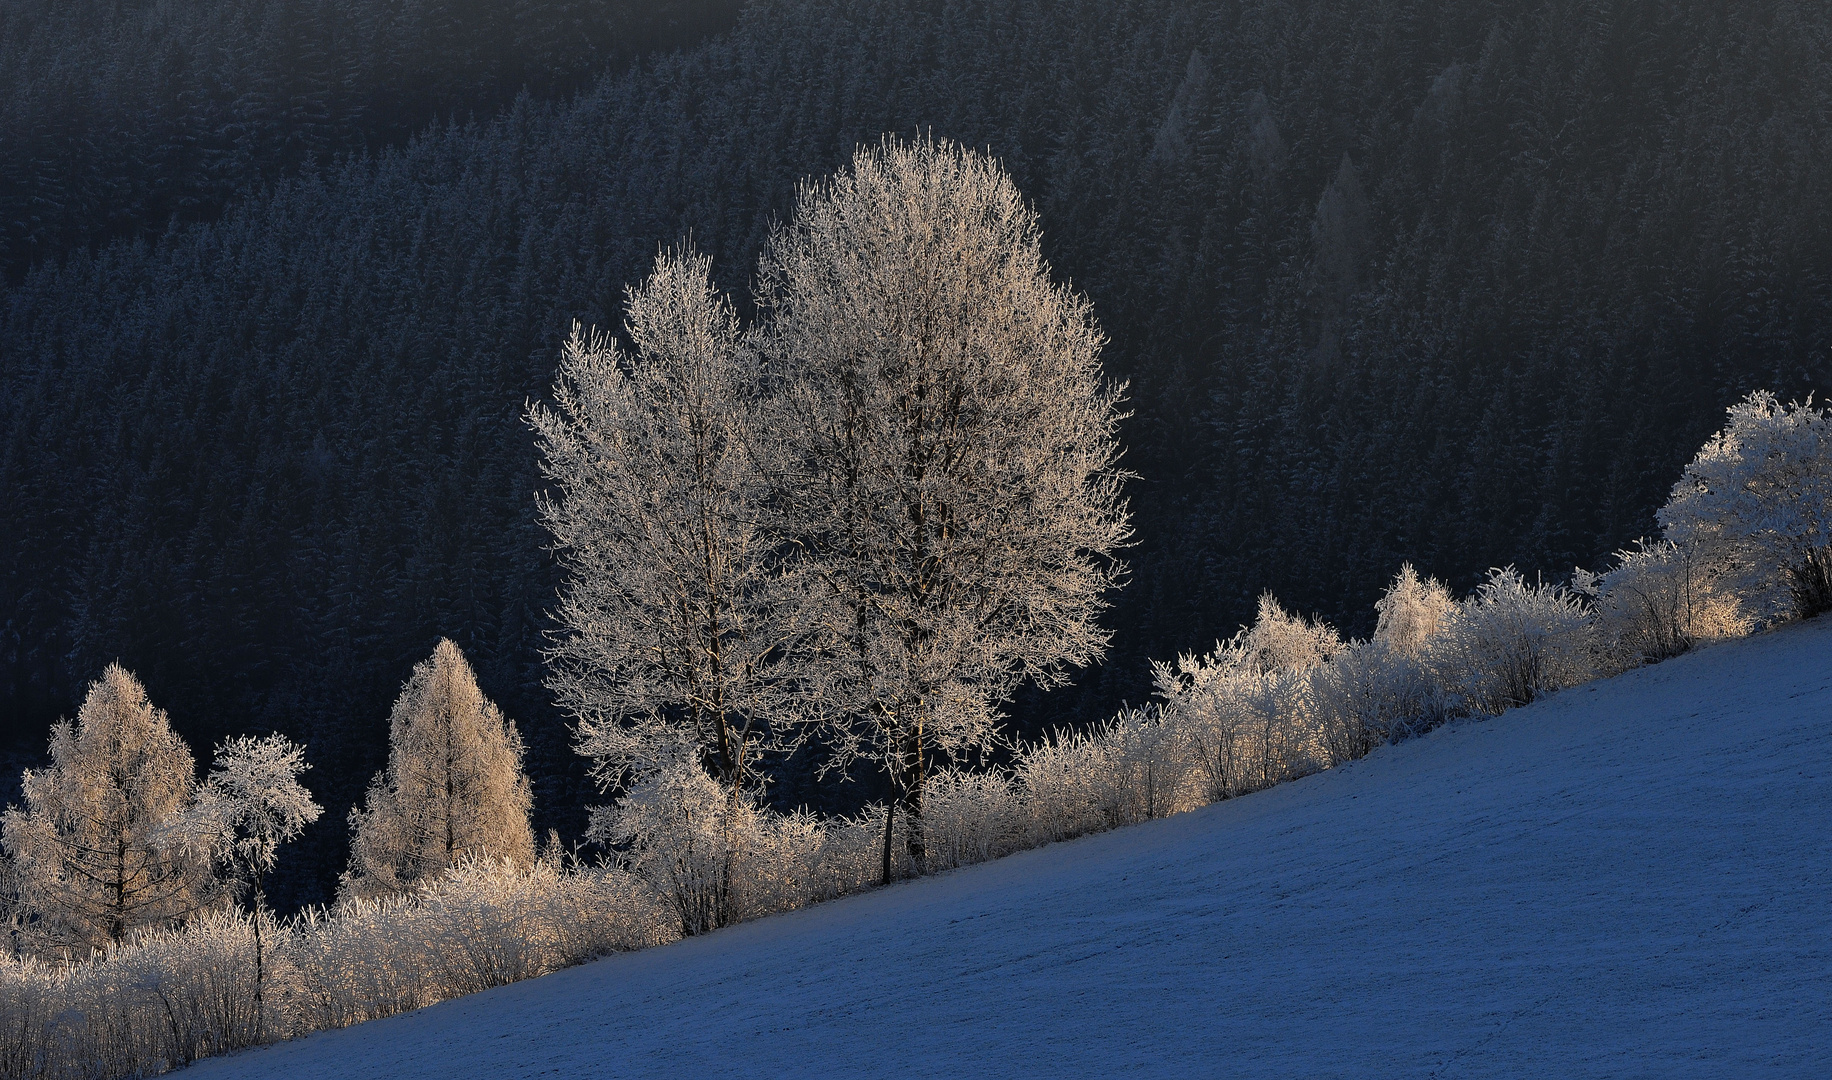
(1455, 282)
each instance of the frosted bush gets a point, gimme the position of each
(850, 854)
(1056, 776)
(1382, 689)
(970, 817)
(165, 998)
(712, 853)
(1246, 707)
(31, 995)
(1510, 642)
(1659, 600)
(358, 961)
(197, 983)
(1756, 507)
(1372, 693)
(1136, 766)
(677, 829)
(785, 868)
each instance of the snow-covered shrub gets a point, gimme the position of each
(1756, 506)
(1382, 689)
(1057, 778)
(165, 998)
(482, 923)
(787, 867)
(1411, 612)
(1510, 642)
(174, 995)
(31, 1000)
(1134, 767)
(850, 852)
(1372, 693)
(356, 961)
(1246, 707)
(713, 853)
(1659, 600)
(489, 923)
(679, 830)
(970, 817)
(197, 983)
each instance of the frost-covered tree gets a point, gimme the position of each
(947, 455)
(1756, 506)
(88, 869)
(677, 618)
(676, 625)
(250, 804)
(453, 787)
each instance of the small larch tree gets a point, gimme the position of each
(453, 789)
(947, 455)
(88, 865)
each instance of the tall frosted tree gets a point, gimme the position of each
(677, 648)
(947, 457)
(88, 864)
(676, 620)
(453, 788)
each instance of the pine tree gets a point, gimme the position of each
(948, 454)
(88, 865)
(453, 788)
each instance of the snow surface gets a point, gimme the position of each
(1632, 878)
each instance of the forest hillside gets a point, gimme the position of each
(1460, 283)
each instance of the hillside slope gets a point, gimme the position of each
(1631, 878)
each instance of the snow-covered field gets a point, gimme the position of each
(1633, 878)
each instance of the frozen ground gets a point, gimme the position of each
(1629, 879)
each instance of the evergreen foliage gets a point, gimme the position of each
(120, 118)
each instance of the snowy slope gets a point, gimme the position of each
(1633, 878)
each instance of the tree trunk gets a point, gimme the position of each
(890, 817)
(914, 840)
(260, 1004)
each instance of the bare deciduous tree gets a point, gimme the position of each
(677, 616)
(453, 787)
(251, 803)
(947, 455)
